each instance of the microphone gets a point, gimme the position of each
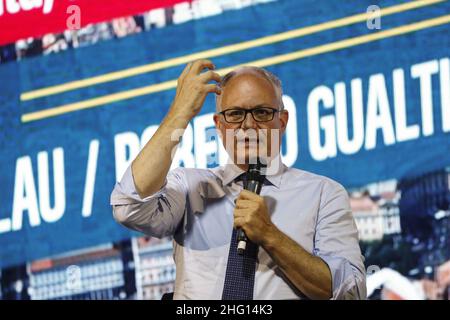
(253, 182)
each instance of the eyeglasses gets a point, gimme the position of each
(260, 114)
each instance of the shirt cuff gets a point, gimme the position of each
(344, 281)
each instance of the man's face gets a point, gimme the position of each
(248, 139)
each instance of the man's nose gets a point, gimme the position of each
(249, 122)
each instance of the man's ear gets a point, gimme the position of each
(218, 124)
(217, 121)
(284, 118)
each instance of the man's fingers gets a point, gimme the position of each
(240, 212)
(248, 195)
(185, 71)
(213, 88)
(201, 64)
(244, 204)
(210, 75)
(238, 222)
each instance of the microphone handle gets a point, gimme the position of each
(253, 186)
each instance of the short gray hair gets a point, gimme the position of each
(273, 79)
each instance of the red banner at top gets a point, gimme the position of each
(33, 18)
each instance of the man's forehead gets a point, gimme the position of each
(252, 89)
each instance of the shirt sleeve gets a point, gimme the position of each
(337, 244)
(157, 215)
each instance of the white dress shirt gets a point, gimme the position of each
(195, 206)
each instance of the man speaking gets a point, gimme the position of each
(300, 240)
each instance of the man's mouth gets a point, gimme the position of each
(248, 141)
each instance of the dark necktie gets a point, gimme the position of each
(240, 273)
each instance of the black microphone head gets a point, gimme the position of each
(255, 177)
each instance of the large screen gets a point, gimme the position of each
(367, 87)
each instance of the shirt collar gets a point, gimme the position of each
(274, 172)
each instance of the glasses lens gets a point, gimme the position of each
(263, 114)
(234, 115)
